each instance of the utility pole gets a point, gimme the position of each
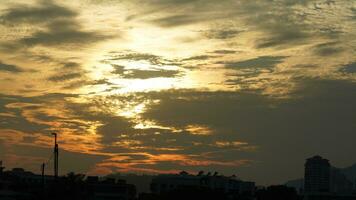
(43, 179)
(42, 170)
(55, 156)
(55, 165)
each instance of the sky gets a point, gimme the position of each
(242, 87)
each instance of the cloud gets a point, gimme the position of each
(36, 14)
(71, 65)
(10, 68)
(65, 77)
(59, 27)
(146, 74)
(114, 127)
(62, 32)
(134, 56)
(353, 13)
(254, 63)
(282, 37)
(118, 69)
(222, 34)
(178, 20)
(328, 49)
(224, 51)
(201, 57)
(143, 74)
(40, 115)
(280, 22)
(280, 28)
(186, 12)
(276, 126)
(349, 68)
(226, 129)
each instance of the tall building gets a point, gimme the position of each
(317, 175)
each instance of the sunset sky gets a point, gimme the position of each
(241, 87)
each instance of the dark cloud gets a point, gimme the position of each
(143, 74)
(280, 28)
(65, 77)
(18, 122)
(248, 70)
(77, 80)
(186, 12)
(259, 62)
(146, 74)
(276, 126)
(328, 49)
(154, 59)
(71, 65)
(222, 34)
(36, 14)
(101, 82)
(114, 127)
(76, 84)
(353, 16)
(285, 25)
(297, 2)
(136, 56)
(331, 32)
(349, 68)
(140, 73)
(62, 32)
(61, 27)
(10, 68)
(178, 20)
(40, 58)
(202, 57)
(30, 115)
(283, 37)
(282, 24)
(279, 21)
(224, 51)
(118, 69)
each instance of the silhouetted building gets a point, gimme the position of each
(110, 189)
(230, 186)
(317, 175)
(277, 192)
(18, 184)
(321, 182)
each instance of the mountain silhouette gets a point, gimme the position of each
(350, 172)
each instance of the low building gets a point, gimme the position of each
(110, 189)
(230, 186)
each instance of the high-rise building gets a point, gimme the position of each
(317, 175)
